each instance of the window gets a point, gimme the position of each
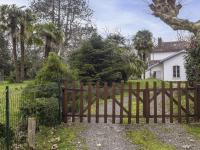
(176, 71)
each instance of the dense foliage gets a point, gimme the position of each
(42, 96)
(101, 60)
(5, 64)
(53, 70)
(46, 110)
(192, 64)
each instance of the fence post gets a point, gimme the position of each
(7, 119)
(31, 133)
(198, 101)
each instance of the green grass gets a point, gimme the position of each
(67, 136)
(14, 86)
(193, 129)
(147, 140)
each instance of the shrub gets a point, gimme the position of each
(53, 70)
(46, 110)
(3, 133)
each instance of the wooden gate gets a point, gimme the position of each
(131, 102)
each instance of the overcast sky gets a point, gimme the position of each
(129, 16)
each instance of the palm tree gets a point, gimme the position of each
(26, 19)
(9, 17)
(52, 36)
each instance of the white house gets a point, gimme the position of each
(166, 61)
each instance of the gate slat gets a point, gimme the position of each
(147, 102)
(130, 102)
(113, 102)
(155, 101)
(89, 101)
(121, 101)
(81, 102)
(138, 103)
(179, 103)
(163, 102)
(105, 101)
(65, 103)
(73, 102)
(97, 102)
(187, 102)
(171, 103)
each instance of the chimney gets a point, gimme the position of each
(159, 42)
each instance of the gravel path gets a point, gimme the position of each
(112, 136)
(107, 136)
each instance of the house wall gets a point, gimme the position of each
(161, 55)
(158, 68)
(179, 60)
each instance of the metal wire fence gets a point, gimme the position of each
(13, 123)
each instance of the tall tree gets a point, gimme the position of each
(4, 55)
(52, 37)
(9, 17)
(70, 16)
(143, 43)
(168, 11)
(25, 21)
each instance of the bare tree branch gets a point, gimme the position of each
(168, 10)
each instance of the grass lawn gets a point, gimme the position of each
(65, 138)
(147, 140)
(193, 129)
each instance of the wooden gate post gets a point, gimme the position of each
(198, 101)
(31, 133)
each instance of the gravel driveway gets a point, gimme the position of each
(112, 136)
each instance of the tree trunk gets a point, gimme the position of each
(47, 47)
(14, 43)
(22, 50)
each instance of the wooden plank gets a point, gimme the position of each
(175, 101)
(129, 102)
(133, 116)
(73, 102)
(147, 107)
(187, 103)
(138, 103)
(97, 102)
(81, 102)
(155, 102)
(156, 94)
(195, 102)
(144, 102)
(105, 101)
(89, 101)
(113, 102)
(171, 103)
(163, 102)
(121, 101)
(135, 94)
(123, 108)
(65, 103)
(179, 103)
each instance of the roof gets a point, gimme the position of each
(174, 46)
(170, 57)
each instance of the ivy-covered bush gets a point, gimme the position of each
(46, 110)
(42, 96)
(193, 61)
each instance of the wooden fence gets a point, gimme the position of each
(131, 102)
